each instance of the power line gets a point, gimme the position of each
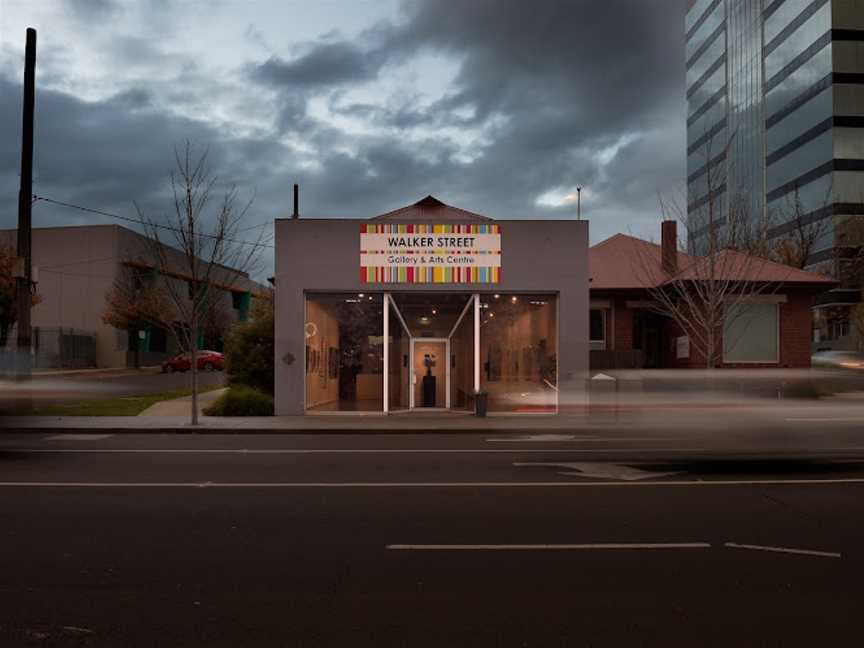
(148, 224)
(81, 262)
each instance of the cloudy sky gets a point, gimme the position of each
(499, 106)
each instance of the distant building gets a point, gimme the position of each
(775, 93)
(77, 267)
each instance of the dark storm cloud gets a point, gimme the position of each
(327, 64)
(566, 79)
(545, 86)
(107, 154)
(88, 10)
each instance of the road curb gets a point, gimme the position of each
(271, 431)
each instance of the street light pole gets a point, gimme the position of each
(24, 276)
(578, 203)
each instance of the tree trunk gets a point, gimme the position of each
(137, 355)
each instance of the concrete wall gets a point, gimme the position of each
(77, 266)
(324, 255)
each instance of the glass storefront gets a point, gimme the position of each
(462, 362)
(398, 374)
(344, 352)
(374, 352)
(519, 352)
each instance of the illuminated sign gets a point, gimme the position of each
(409, 253)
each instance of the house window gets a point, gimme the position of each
(839, 329)
(597, 329)
(751, 333)
(158, 340)
(241, 301)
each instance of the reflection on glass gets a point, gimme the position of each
(809, 114)
(797, 42)
(344, 352)
(784, 14)
(398, 370)
(780, 92)
(462, 363)
(800, 161)
(519, 352)
(704, 31)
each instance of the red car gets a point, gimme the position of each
(207, 361)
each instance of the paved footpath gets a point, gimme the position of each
(182, 406)
(494, 539)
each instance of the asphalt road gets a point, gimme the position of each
(336, 540)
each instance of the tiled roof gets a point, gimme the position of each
(430, 210)
(625, 262)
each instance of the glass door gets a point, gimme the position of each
(461, 360)
(429, 373)
(398, 359)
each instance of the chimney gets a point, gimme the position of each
(669, 246)
(296, 213)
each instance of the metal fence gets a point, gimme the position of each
(54, 348)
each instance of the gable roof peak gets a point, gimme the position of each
(429, 201)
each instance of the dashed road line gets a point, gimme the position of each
(789, 550)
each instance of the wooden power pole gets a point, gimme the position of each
(24, 283)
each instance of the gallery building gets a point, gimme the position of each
(421, 308)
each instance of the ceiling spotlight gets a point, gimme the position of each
(361, 295)
(434, 311)
(497, 296)
(514, 299)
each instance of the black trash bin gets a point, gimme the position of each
(480, 403)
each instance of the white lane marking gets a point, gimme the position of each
(549, 547)
(803, 552)
(543, 484)
(856, 419)
(532, 438)
(599, 470)
(302, 451)
(559, 438)
(78, 437)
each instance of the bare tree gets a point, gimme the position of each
(849, 251)
(794, 233)
(711, 288)
(136, 303)
(197, 250)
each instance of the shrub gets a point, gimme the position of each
(249, 349)
(241, 400)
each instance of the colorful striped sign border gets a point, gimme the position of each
(421, 274)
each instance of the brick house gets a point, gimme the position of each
(627, 332)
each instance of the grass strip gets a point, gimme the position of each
(118, 406)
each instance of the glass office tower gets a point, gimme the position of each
(775, 132)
